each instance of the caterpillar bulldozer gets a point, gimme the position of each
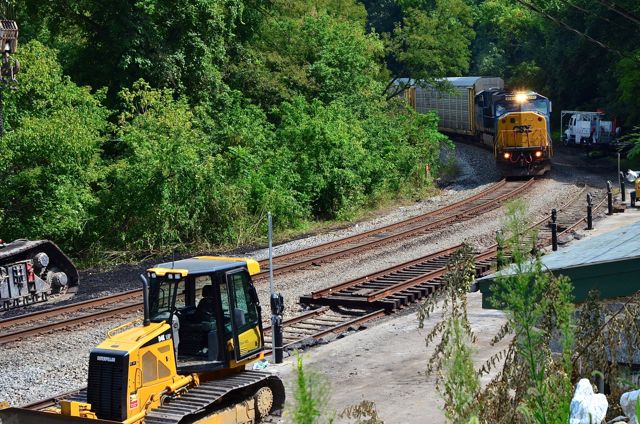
(185, 362)
(30, 270)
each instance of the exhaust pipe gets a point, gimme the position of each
(145, 299)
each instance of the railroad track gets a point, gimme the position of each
(487, 200)
(353, 303)
(347, 305)
(58, 317)
(468, 208)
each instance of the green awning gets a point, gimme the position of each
(609, 262)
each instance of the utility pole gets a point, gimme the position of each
(10, 66)
(277, 306)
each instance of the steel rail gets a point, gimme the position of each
(329, 290)
(70, 308)
(45, 328)
(345, 325)
(407, 286)
(398, 224)
(465, 214)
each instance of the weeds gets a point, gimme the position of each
(457, 381)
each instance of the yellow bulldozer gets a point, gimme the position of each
(185, 362)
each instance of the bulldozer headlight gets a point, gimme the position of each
(538, 154)
(506, 155)
(152, 275)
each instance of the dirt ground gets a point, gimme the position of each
(386, 364)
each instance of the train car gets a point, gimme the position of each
(30, 270)
(515, 125)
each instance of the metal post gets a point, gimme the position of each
(609, 199)
(589, 211)
(277, 305)
(620, 175)
(554, 230)
(500, 250)
(270, 253)
(623, 194)
(277, 330)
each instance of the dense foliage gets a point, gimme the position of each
(143, 125)
(146, 124)
(583, 54)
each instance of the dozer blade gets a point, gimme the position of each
(28, 416)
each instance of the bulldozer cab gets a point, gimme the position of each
(213, 309)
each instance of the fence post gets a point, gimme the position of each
(589, 211)
(554, 230)
(609, 199)
(623, 194)
(500, 250)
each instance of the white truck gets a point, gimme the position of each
(586, 128)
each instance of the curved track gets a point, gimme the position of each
(351, 304)
(466, 209)
(489, 199)
(345, 305)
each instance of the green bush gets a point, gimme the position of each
(167, 187)
(51, 159)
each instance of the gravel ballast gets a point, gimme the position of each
(41, 366)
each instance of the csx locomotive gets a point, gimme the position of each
(513, 124)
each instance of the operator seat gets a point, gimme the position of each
(204, 310)
(199, 334)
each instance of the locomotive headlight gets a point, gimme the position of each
(538, 154)
(507, 155)
(521, 97)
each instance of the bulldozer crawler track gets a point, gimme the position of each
(210, 396)
(198, 402)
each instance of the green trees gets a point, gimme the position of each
(424, 40)
(583, 54)
(212, 113)
(51, 156)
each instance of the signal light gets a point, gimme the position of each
(539, 119)
(507, 155)
(538, 154)
(504, 121)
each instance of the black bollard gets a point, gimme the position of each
(589, 211)
(500, 250)
(554, 230)
(277, 308)
(623, 194)
(609, 199)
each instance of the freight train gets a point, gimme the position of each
(515, 125)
